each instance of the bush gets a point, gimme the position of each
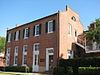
(59, 71)
(89, 70)
(16, 69)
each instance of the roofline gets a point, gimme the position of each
(33, 21)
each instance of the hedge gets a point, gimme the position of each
(16, 69)
(80, 62)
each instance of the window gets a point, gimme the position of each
(25, 60)
(37, 30)
(16, 56)
(37, 47)
(26, 33)
(16, 35)
(70, 29)
(25, 48)
(69, 54)
(73, 18)
(75, 33)
(50, 26)
(9, 37)
(8, 57)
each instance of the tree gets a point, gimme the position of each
(94, 33)
(2, 44)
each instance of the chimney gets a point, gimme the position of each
(17, 25)
(93, 26)
(66, 7)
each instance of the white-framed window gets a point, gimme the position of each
(9, 37)
(26, 33)
(50, 26)
(36, 47)
(16, 35)
(37, 30)
(8, 57)
(24, 59)
(69, 54)
(69, 29)
(16, 56)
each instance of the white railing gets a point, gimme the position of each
(92, 48)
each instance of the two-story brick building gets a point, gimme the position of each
(42, 42)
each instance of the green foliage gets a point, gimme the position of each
(80, 62)
(89, 70)
(94, 34)
(59, 71)
(16, 68)
(2, 44)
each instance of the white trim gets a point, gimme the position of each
(15, 54)
(49, 26)
(9, 37)
(47, 57)
(24, 53)
(8, 56)
(17, 35)
(36, 30)
(70, 54)
(35, 53)
(25, 37)
(69, 29)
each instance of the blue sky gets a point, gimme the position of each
(14, 12)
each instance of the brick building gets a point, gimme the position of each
(42, 42)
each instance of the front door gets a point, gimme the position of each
(49, 58)
(35, 63)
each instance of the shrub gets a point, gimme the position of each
(89, 70)
(16, 69)
(59, 71)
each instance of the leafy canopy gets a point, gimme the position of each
(2, 44)
(94, 34)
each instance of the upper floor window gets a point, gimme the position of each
(26, 33)
(37, 30)
(73, 18)
(9, 37)
(16, 35)
(36, 47)
(50, 26)
(70, 29)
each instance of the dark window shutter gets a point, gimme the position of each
(7, 38)
(28, 32)
(54, 23)
(14, 35)
(23, 32)
(19, 35)
(46, 27)
(40, 29)
(33, 30)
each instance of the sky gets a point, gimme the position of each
(14, 12)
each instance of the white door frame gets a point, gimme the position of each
(47, 57)
(35, 67)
